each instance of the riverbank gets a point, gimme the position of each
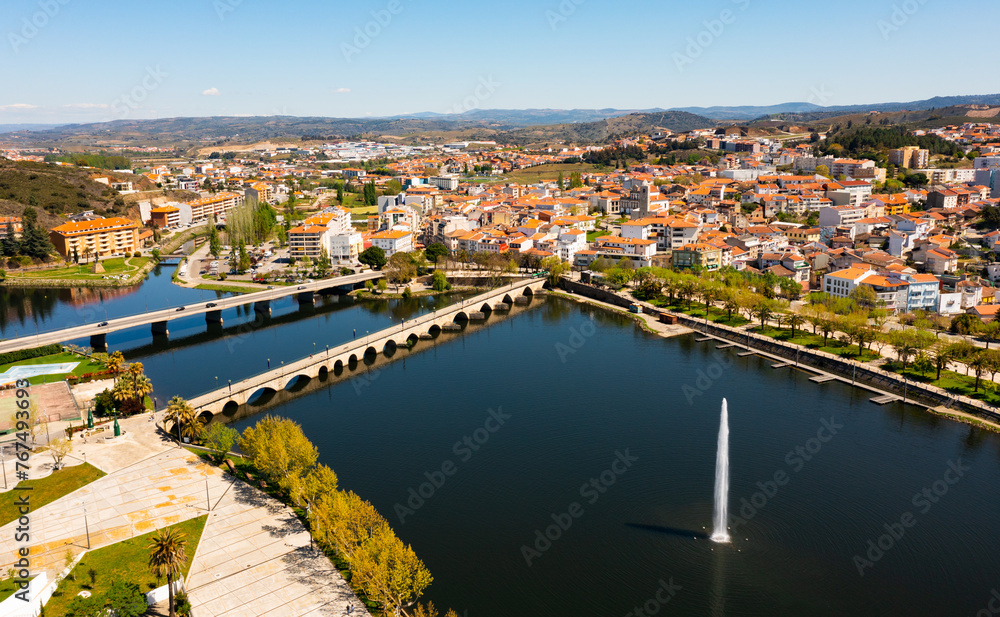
(65, 277)
(894, 385)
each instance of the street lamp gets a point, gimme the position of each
(86, 525)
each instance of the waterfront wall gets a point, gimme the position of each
(860, 372)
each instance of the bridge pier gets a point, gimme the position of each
(306, 297)
(264, 306)
(159, 328)
(214, 316)
(99, 342)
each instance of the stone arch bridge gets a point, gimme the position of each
(350, 355)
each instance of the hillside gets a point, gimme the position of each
(926, 118)
(54, 190)
(585, 133)
(194, 133)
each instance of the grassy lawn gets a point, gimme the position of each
(48, 489)
(7, 588)
(125, 560)
(548, 171)
(86, 366)
(715, 315)
(115, 266)
(597, 233)
(956, 383)
(815, 341)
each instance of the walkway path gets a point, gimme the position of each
(253, 558)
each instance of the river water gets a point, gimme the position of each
(527, 412)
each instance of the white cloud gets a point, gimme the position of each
(341, 90)
(211, 92)
(86, 105)
(17, 107)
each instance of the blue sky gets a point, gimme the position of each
(91, 60)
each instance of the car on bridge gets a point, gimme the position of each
(180, 308)
(211, 305)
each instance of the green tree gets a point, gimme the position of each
(400, 269)
(370, 194)
(823, 170)
(125, 599)
(214, 244)
(435, 251)
(184, 418)
(923, 363)
(220, 439)
(439, 281)
(373, 256)
(279, 449)
(166, 558)
(966, 323)
(556, 268)
(85, 607)
(323, 263)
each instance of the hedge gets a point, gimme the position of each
(28, 354)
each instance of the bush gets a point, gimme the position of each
(407, 293)
(182, 606)
(28, 354)
(137, 254)
(220, 439)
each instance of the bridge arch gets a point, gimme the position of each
(322, 373)
(229, 409)
(411, 341)
(434, 330)
(389, 349)
(461, 316)
(486, 308)
(297, 382)
(507, 299)
(352, 362)
(261, 396)
(205, 416)
(338, 368)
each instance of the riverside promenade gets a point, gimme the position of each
(254, 556)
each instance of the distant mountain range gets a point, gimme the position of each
(518, 126)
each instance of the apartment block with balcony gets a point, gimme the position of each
(100, 238)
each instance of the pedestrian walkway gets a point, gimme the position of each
(253, 558)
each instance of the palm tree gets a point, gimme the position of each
(990, 332)
(115, 363)
(184, 417)
(977, 362)
(795, 320)
(166, 558)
